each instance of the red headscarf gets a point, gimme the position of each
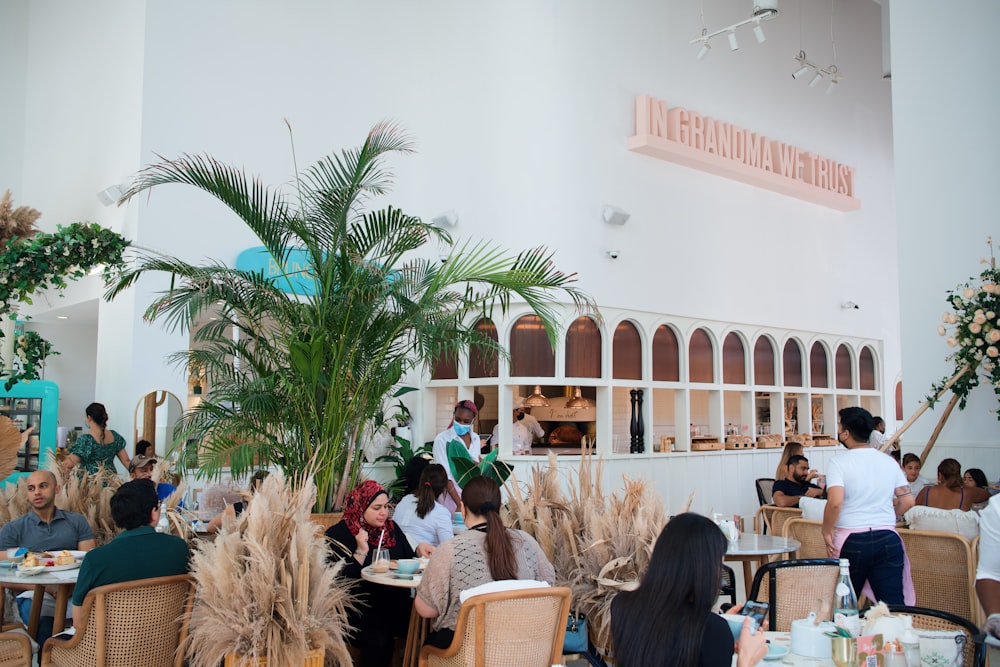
(359, 500)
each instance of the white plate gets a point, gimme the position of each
(47, 568)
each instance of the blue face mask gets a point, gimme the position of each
(461, 429)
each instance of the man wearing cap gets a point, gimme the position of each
(141, 467)
(524, 431)
(45, 528)
(137, 553)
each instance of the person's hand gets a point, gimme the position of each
(362, 539)
(831, 550)
(813, 474)
(424, 549)
(992, 625)
(814, 493)
(752, 646)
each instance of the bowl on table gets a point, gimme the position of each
(407, 565)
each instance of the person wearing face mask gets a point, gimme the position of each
(524, 431)
(460, 429)
(866, 490)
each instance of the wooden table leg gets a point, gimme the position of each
(747, 576)
(38, 596)
(62, 598)
(415, 636)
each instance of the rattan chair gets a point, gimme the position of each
(792, 588)
(522, 627)
(764, 485)
(943, 566)
(809, 534)
(138, 622)
(15, 646)
(974, 653)
(775, 517)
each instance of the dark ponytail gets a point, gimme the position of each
(433, 482)
(481, 496)
(99, 416)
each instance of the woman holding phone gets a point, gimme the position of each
(674, 604)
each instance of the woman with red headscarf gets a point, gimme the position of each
(460, 428)
(382, 612)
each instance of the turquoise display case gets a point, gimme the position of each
(34, 403)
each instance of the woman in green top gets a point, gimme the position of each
(99, 445)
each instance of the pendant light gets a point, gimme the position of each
(578, 401)
(536, 400)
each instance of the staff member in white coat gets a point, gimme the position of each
(460, 429)
(524, 430)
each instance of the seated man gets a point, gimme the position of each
(45, 528)
(137, 553)
(141, 467)
(786, 492)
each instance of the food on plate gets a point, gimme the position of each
(65, 558)
(30, 560)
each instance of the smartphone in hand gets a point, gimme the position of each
(757, 611)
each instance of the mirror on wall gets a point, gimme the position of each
(157, 415)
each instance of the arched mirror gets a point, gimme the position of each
(156, 416)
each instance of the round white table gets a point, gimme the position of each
(419, 626)
(753, 548)
(63, 581)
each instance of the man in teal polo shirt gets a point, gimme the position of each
(138, 553)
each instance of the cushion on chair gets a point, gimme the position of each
(812, 508)
(966, 524)
(497, 586)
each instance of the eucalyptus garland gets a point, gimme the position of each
(972, 327)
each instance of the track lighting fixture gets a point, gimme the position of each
(831, 74)
(763, 10)
(815, 80)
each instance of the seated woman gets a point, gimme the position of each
(976, 479)
(382, 612)
(949, 493)
(488, 551)
(236, 509)
(668, 620)
(426, 522)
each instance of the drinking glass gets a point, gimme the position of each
(381, 562)
(845, 651)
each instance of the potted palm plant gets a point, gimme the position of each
(321, 348)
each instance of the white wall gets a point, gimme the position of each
(13, 75)
(946, 138)
(521, 112)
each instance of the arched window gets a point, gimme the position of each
(530, 352)
(666, 357)
(866, 368)
(845, 375)
(818, 374)
(583, 349)
(791, 359)
(734, 360)
(700, 356)
(626, 353)
(763, 361)
(483, 363)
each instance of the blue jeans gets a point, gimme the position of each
(876, 557)
(44, 622)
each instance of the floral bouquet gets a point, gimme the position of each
(973, 329)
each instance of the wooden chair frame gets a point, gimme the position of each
(476, 606)
(974, 638)
(770, 570)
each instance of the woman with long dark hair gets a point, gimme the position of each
(668, 620)
(488, 551)
(426, 522)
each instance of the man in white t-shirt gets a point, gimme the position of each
(866, 491)
(524, 431)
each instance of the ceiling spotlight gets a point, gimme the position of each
(815, 80)
(733, 44)
(758, 32)
(833, 84)
(705, 48)
(800, 72)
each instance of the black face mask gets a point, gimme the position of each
(520, 416)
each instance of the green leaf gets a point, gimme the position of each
(457, 451)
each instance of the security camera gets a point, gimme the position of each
(613, 254)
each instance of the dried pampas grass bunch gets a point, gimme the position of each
(87, 493)
(598, 544)
(265, 588)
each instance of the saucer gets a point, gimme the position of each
(775, 652)
(407, 577)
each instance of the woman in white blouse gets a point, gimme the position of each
(426, 522)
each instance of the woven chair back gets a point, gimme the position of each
(523, 627)
(775, 517)
(973, 654)
(810, 534)
(943, 566)
(132, 623)
(793, 588)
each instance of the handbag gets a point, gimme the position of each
(576, 634)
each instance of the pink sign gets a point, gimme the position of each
(686, 137)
